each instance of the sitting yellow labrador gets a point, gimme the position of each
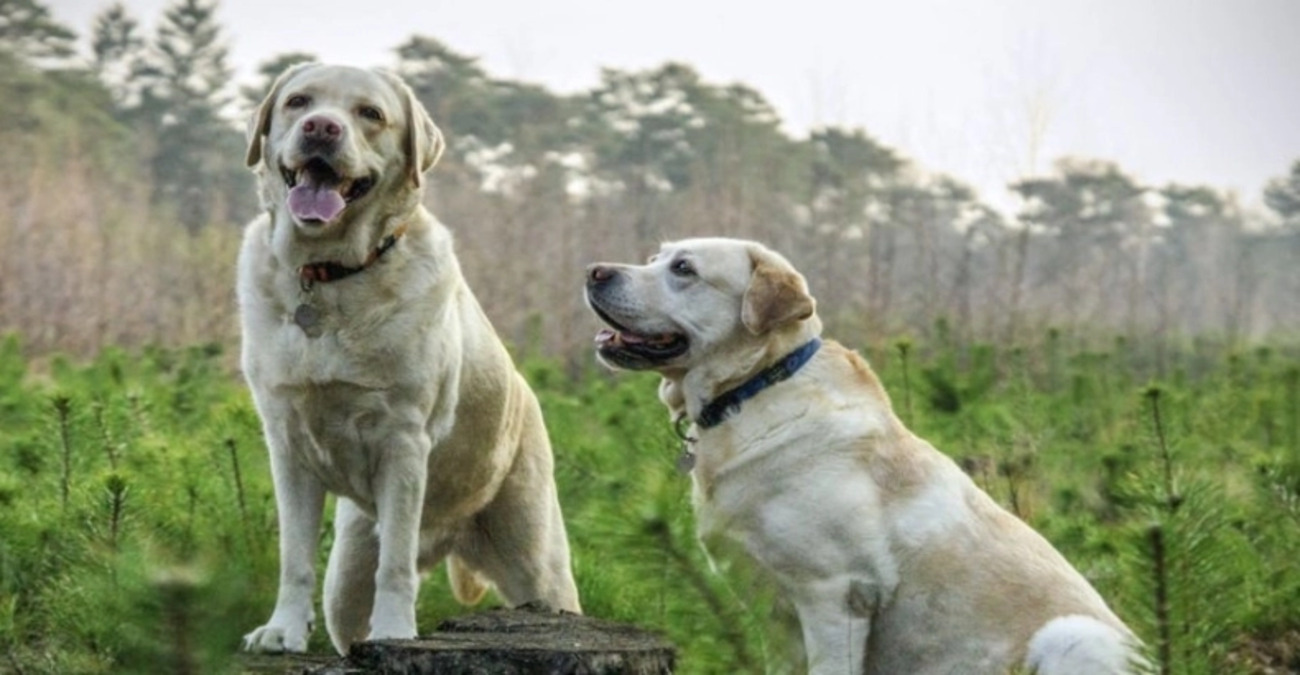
(377, 376)
(895, 561)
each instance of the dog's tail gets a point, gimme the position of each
(1082, 645)
(466, 584)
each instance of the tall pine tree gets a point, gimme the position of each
(118, 55)
(187, 88)
(29, 32)
(1283, 196)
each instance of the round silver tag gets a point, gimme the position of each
(308, 319)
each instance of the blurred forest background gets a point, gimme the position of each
(124, 193)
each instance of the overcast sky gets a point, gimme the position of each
(1188, 91)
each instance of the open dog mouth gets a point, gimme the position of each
(318, 193)
(628, 347)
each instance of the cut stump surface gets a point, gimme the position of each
(524, 641)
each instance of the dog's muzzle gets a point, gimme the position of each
(619, 345)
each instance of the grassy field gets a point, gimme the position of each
(137, 520)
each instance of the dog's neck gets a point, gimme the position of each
(326, 271)
(728, 403)
(692, 392)
(348, 244)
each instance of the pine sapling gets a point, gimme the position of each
(116, 486)
(1014, 469)
(192, 500)
(1292, 377)
(904, 347)
(239, 487)
(1053, 355)
(1172, 499)
(110, 448)
(139, 415)
(659, 530)
(63, 408)
(1160, 573)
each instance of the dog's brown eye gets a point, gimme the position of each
(683, 268)
(371, 113)
(297, 101)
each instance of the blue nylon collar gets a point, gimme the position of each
(728, 404)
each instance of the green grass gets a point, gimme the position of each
(137, 518)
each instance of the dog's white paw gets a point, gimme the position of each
(392, 629)
(277, 638)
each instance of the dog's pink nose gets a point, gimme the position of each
(599, 274)
(322, 128)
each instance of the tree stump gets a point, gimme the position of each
(530, 640)
(285, 664)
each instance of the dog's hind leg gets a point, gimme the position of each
(350, 576)
(518, 541)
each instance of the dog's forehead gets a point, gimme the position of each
(344, 84)
(717, 254)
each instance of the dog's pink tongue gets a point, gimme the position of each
(315, 202)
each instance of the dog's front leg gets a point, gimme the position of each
(299, 498)
(399, 495)
(835, 615)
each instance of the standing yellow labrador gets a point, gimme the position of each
(895, 561)
(377, 376)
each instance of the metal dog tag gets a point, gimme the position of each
(686, 460)
(308, 319)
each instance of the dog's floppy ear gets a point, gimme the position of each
(777, 295)
(259, 123)
(422, 141)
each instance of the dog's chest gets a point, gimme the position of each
(736, 487)
(337, 431)
(341, 432)
(374, 345)
(345, 395)
(797, 497)
(300, 360)
(798, 524)
(740, 467)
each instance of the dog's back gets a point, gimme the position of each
(978, 589)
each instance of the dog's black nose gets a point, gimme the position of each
(599, 274)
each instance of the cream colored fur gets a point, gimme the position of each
(406, 406)
(895, 561)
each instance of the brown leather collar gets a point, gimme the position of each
(330, 270)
